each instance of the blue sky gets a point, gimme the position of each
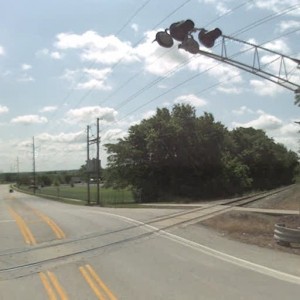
(63, 64)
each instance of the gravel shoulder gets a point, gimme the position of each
(258, 228)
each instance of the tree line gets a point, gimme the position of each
(177, 154)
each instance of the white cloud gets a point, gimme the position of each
(265, 88)
(230, 90)
(3, 109)
(61, 138)
(2, 51)
(278, 46)
(218, 5)
(264, 121)
(148, 114)
(89, 114)
(26, 78)
(48, 109)
(113, 135)
(288, 25)
(26, 67)
(56, 55)
(92, 78)
(166, 62)
(29, 119)
(97, 48)
(225, 74)
(242, 110)
(135, 27)
(158, 60)
(277, 5)
(53, 54)
(286, 133)
(191, 99)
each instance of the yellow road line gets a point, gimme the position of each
(49, 281)
(58, 232)
(58, 287)
(28, 236)
(47, 286)
(96, 284)
(91, 283)
(101, 283)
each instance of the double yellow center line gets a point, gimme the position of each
(58, 232)
(27, 234)
(96, 284)
(55, 291)
(52, 286)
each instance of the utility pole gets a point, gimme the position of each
(18, 171)
(93, 166)
(33, 166)
(98, 163)
(87, 166)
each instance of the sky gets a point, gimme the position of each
(63, 64)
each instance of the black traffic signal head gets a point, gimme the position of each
(164, 39)
(180, 30)
(208, 38)
(190, 45)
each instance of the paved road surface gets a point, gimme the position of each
(51, 250)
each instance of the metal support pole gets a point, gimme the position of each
(87, 162)
(98, 163)
(33, 165)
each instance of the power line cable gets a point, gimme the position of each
(132, 17)
(185, 80)
(193, 77)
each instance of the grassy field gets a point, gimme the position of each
(108, 196)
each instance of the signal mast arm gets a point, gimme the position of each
(183, 32)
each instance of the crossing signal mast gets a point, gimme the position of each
(184, 32)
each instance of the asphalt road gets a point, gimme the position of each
(51, 250)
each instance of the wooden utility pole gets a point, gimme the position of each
(33, 165)
(87, 164)
(18, 171)
(98, 163)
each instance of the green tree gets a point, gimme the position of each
(172, 153)
(269, 164)
(176, 153)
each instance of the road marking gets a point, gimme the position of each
(55, 228)
(96, 284)
(28, 236)
(212, 252)
(47, 286)
(49, 281)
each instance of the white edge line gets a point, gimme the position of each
(212, 252)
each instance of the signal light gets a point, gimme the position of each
(190, 45)
(180, 30)
(164, 39)
(208, 38)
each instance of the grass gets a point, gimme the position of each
(108, 196)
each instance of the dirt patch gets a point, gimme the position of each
(253, 228)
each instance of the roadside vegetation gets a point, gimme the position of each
(176, 154)
(108, 196)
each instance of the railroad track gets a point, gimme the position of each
(20, 262)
